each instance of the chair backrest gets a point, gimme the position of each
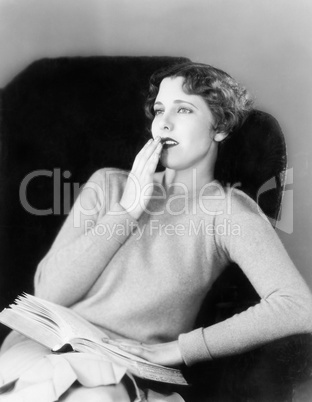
(63, 118)
(254, 158)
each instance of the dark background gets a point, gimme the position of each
(267, 45)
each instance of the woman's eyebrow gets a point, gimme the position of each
(177, 101)
(183, 101)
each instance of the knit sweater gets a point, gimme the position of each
(146, 279)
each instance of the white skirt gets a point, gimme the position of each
(37, 375)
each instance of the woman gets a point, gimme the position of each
(140, 250)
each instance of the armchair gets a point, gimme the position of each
(62, 119)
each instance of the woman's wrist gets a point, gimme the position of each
(134, 213)
(166, 354)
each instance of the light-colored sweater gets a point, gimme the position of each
(146, 279)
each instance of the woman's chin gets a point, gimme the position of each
(174, 160)
(170, 164)
(165, 161)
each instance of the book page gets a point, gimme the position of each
(53, 326)
(21, 323)
(46, 322)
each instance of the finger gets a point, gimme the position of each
(151, 164)
(134, 350)
(146, 155)
(111, 341)
(146, 145)
(128, 341)
(146, 152)
(137, 158)
(123, 341)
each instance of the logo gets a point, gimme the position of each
(285, 219)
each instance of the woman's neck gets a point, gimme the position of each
(182, 181)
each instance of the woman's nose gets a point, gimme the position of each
(166, 123)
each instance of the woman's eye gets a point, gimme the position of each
(184, 110)
(158, 111)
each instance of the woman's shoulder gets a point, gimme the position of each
(241, 215)
(109, 176)
(237, 202)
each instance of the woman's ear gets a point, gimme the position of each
(220, 136)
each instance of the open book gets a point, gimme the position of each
(61, 329)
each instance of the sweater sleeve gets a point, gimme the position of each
(285, 306)
(90, 236)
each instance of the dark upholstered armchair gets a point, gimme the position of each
(61, 119)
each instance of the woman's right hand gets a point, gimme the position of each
(139, 186)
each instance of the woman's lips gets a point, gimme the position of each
(168, 142)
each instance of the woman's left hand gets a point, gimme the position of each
(166, 354)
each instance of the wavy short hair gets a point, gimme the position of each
(229, 102)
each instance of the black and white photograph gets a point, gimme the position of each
(155, 201)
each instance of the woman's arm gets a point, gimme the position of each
(94, 231)
(285, 307)
(286, 302)
(84, 246)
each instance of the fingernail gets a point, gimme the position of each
(157, 138)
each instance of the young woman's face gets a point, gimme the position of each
(188, 121)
